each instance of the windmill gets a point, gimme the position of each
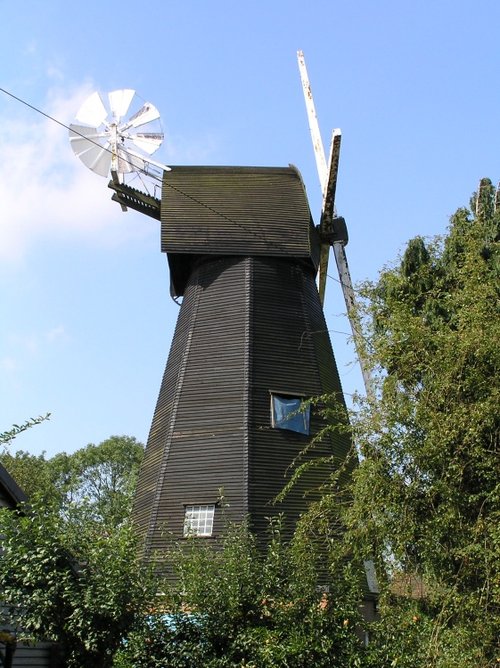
(250, 346)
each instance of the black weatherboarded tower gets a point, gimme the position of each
(251, 343)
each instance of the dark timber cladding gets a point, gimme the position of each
(258, 211)
(243, 252)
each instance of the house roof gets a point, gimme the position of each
(9, 489)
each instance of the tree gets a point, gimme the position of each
(31, 472)
(98, 479)
(69, 570)
(76, 584)
(426, 493)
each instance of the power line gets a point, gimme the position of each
(153, 176)
(79, 134)
(31, 106)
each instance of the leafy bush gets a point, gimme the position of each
(241, 606)
(78, 584)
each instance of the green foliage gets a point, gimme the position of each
(97, 480)
(411, 633)
(69, 570)
(100, 479)
(426, 494)
(7, 437)
(236, 606)
(32, 473)
(78, 585)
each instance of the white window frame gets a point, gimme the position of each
(199, 520)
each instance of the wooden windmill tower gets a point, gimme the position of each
(251, 342)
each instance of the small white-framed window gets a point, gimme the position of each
(199, 520)
(289, 412)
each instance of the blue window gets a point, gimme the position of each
(289, 412)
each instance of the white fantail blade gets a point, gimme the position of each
(98, 159)
(149, 142)
(92, 112)
(102, 163)
(147, 113)
(119, 102)
(82, 138)
(149, 166)
(129, 162)
(92, 147)
(104, 141)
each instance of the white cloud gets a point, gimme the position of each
(8, 364)
(55, 334)
(45, 191)
(30, 48)
(26, 347)
(54, 72)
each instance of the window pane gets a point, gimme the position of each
(199, 520)
(288, 413)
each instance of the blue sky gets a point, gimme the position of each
(86, 318)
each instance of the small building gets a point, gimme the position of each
(16, 651)
(11, 495)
